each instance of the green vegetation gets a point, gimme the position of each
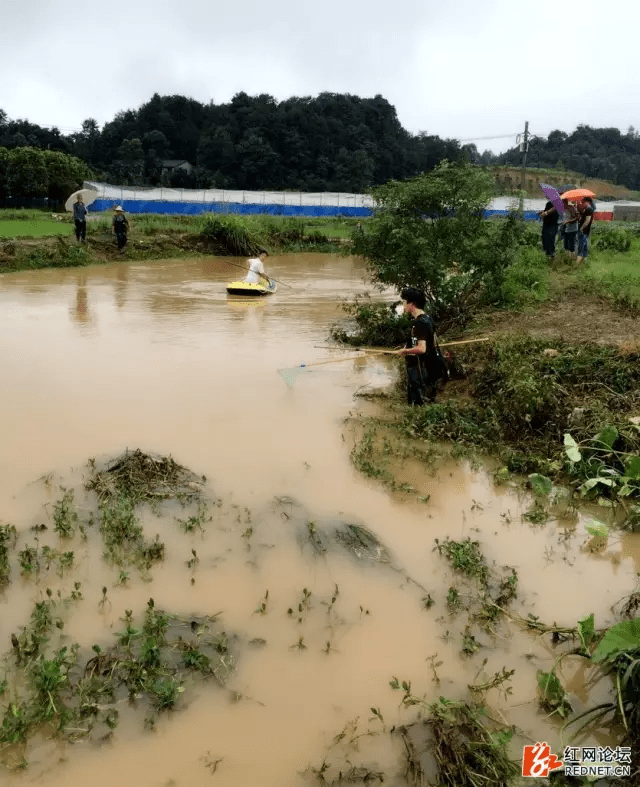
(37, 227)
(32, 172)
(251, 142)
(72, 693)
(436, 221)
(156, 237)
(129, 481)
(604, 153)
(8, 537)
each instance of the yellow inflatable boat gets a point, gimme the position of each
(244, 288)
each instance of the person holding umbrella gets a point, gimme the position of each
(80, 219)
(584, 204)
(120, 228)
(570, 226)
(550, 219)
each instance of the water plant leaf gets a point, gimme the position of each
(591, 482)
(552, 694)
(586, 630)
(624, 636)
(571, 448)
(607, 436)
(597, 528)
(632, 468)
(540, 484)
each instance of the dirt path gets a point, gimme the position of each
(576, 319)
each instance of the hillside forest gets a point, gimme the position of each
(331, 142)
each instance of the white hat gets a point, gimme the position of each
(119, 207)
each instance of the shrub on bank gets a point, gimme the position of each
(523, 401)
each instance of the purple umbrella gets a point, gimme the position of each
(551, 193)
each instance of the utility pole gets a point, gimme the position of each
(524, 147)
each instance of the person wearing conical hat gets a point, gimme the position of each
(120, 228)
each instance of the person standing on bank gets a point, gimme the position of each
(120, 228)
(585, 217)
(256, 268)
(80, 219)
(419, 349)
(549, 218)
(570, 224)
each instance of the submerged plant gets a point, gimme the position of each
(65, 517)
(8, 537)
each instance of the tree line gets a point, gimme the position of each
(333, 142)
(604, 153)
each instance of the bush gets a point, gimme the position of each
(523, 397)
(372, 323)
(611, 238)
(230, 233)
(429, 232)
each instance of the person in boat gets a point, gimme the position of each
(256, 269)
(420, 350)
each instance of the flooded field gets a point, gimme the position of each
(157, 357)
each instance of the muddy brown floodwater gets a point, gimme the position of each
(156, 356)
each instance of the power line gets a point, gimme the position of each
(499, 136)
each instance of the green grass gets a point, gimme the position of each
(15, 223)
(607, 272)
(33, 228)
(618, 273)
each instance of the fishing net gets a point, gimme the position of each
(290, 375)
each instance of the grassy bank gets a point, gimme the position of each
(32, 239)
(561, 369)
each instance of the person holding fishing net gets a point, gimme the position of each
(425, 364)
(256, 268)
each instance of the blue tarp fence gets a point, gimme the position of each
(196, 208)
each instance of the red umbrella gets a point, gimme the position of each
(551, 193)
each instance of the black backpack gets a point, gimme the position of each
(434, 361)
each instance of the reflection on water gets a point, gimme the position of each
(158, 356)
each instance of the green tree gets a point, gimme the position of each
(27, 172)
(429, 232)
(64, 174)
(4, 172)
(257, 161)
(131, 161)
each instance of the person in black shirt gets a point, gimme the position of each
(80, 219)
(585, 218)
(419, 350)
(549, 218)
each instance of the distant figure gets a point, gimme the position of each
(549, 218)
(585, 218)
(120, 228)
(570, 226)
(256, 268)
(423, 371)
(80, 219)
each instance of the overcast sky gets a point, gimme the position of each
(455, 68)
